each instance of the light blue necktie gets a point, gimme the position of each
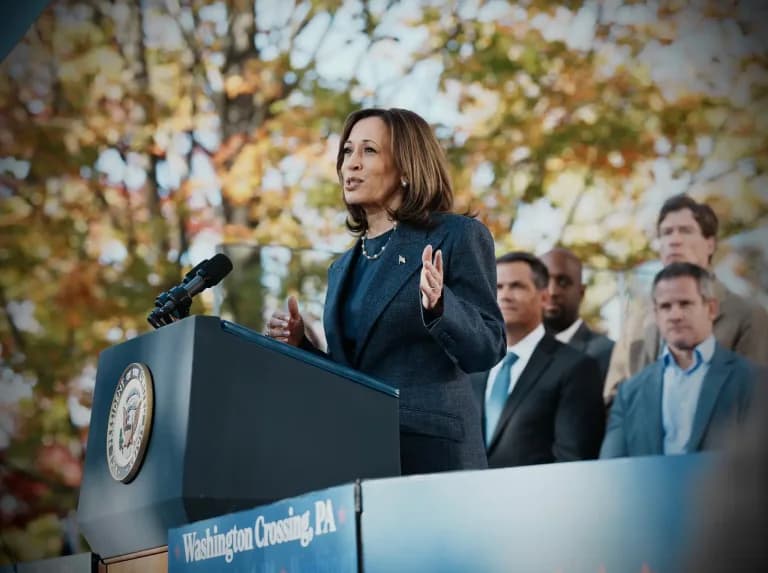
(495, 401)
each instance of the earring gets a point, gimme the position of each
(403, 182)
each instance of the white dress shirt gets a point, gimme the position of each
(524, 350)
(565, 336)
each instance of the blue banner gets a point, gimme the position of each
(629, 515)
(312, 532)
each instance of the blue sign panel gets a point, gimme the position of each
(312, 532)
(629, 515)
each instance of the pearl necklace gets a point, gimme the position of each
(383, 247)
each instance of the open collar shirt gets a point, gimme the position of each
(680, 395)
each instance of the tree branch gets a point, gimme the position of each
(198, 63)
(16, 334)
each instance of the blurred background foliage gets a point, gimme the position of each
(136, 138)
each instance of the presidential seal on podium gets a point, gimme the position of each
(130, 422)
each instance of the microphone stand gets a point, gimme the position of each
(181, 305)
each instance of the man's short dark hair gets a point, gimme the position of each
(539, 270)
(704, 279)
(702, 213)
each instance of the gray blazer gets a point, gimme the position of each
(741, 325)
(593, 344)
(635, 423)
(440, 427)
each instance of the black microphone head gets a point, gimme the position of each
(215, 269)
(194, 270)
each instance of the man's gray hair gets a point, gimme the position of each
(704, 279)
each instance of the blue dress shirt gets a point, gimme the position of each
(680, 395)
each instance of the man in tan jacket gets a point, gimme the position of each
(687, 232)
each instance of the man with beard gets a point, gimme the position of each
(682, 402)
(561, 313)
(687, 232)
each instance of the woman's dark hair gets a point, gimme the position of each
(420, 163)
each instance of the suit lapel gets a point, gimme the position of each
(401, 259)
(651, 343)
(651, 426)
(713, 383)
(721, 294)
(540, 359)
(581, 337)
(337, 277)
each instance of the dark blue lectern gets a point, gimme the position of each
(235, 420)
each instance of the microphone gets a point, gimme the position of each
(174, 304)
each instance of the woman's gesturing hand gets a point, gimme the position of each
(431, 282)
(287, 327)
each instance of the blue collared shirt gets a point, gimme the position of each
(680, 395)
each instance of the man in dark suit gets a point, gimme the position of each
(561, 313)
(682, 402)
(543, 402)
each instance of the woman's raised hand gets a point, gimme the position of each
(287, 327)
(431, 281)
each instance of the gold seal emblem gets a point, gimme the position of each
(130, 422)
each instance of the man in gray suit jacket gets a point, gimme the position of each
(682, 402)
(561, 313)
(687, 232)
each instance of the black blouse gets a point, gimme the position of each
(358, 283)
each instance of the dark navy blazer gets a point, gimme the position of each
(440, 426)
(593, 344)
(635, 425)
(555, 412)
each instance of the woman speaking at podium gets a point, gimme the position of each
(413, 303)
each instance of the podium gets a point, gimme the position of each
(204, 417)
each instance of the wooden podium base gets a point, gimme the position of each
(148, 561)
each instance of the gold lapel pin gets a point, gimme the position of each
(400, 260)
